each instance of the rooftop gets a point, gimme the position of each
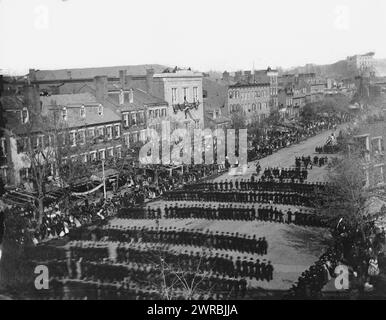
(85, 73)
(246, 85)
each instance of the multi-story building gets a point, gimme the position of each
(215, 103)
(251, 99)
(265, 76)
(371, 141)
(182, 90)
(271, 76)
(85, 124)
(361, 63)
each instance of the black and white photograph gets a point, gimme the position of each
(198, 150)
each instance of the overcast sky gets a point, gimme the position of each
(202, 34)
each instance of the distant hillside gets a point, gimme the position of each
(337, 70)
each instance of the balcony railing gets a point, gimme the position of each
(186, 106)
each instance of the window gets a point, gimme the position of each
(61, 138)
(91, 132)
(126, 119)
(102, 154)
(82, 136)
(259, 104)
(109, 132)
(82, 112)
(25, 174)
(134, 137)
(134, 118)
(141, 117)
(230, 94)
(110, 152)
(24, 115)
(101, 131)
(186, 94)
(73, 138)
(117, 131)
(195, 94)
(118, 151)
(100, 110)
(4, 174)
(21, 144)
(84, 157)
(64, 114)
(174, 95)
(127, 139)
(93, 155)
(142, 135)
(40, 141)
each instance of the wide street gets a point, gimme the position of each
(292, 248)
(285, 158)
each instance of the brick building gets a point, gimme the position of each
(251, 99)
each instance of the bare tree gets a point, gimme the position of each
(346, 193)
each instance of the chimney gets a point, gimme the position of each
(225, 76)
(131, 96)
(128, 81)
(238, 76)
(149, 80)
(32, 98)
(248, 76)
(122, 78)
(31, 75)
(101, 88)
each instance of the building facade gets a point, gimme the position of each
(251, 99)
(182, 90)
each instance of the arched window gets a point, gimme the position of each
(230, 94)
(253, 106)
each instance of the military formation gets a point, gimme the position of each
(185, 237)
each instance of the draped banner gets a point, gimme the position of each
(87, 192)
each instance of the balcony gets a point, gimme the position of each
(186, 106)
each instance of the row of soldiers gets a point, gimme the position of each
(245, 213)
(233, 212)
(328, 148)
(130, 258)
(264, 185)
(289, 173)
(285, 198)
(146, 286)
(196, 238)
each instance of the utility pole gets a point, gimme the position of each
(104, 178)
